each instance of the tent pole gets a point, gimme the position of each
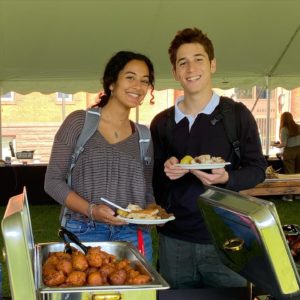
(1, 93)
(268, 78)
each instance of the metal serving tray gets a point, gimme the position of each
(248, 236)
(25, 259)
(121, 250)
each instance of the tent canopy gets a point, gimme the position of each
(63, 45)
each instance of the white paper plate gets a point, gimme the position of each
(147, 221)
(203, 166)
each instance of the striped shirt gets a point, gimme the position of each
(112, 171)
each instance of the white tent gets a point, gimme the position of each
(63, 45)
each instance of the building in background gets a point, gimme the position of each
(29, 122)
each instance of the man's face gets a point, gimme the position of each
(193, 68)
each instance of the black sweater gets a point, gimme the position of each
(180, 196)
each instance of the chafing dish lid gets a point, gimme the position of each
(247, 234)
(19, 247)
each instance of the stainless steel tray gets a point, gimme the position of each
(120, 249)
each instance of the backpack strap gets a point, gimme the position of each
(91, 123)
(228, 115)
(144, 142)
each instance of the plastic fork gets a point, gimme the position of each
(115, 205)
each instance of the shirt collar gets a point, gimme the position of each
(208, 109)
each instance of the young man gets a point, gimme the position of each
(191, 127)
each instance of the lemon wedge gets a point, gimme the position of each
(186, 159)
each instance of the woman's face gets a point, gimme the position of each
(132, 84)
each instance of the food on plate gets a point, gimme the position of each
(186, 159)
(96, 268)
(202, 159)
(207, 159)
(152, 212)
(271, 173)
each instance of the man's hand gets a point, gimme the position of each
(172, 171)
(218, 176)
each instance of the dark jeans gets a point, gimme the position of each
(190, 265)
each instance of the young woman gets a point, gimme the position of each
(290, 141)
(110, 165)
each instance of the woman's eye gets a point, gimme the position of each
(145, 82)
(130, 78)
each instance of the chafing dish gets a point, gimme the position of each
(249, 239)
(24, 261)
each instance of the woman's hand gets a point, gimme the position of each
(103, 213)
(218, 176)
(172, 171)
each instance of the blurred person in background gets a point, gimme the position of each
(290, 142)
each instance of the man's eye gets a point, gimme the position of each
(182, 63)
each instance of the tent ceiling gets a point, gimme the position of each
(63, 45)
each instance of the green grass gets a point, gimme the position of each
(44, 219)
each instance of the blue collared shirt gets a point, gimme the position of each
(208, 109)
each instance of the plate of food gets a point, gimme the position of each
(147, 221)
(152, 215)
(202, 162)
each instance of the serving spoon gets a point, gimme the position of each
(115, 205)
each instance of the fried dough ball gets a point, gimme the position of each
(91, 270)
(117, 277)
(95, 278)
(54, 279)
(122, 264)
(107, 258)
(63, 255)
(76, 278)
(140, 279)
(48, 269)
(79, 261)
(107, 269)
(96, 249)
(64, 265)
(52, 259)
(94, 259)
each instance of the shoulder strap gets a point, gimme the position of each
(144, 141)
(228, 112)
(90, 126)
(169, 128)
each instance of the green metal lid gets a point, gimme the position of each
(19, 247)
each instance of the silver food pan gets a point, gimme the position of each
(25, 259)
(121, 250)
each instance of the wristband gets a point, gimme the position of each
(90, 211)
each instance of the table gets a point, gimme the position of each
(14, 177)
(286, 184)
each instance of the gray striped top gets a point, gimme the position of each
(112, 171)
(288, 141)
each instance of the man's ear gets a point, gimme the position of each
(213, 66)
(174, 74)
